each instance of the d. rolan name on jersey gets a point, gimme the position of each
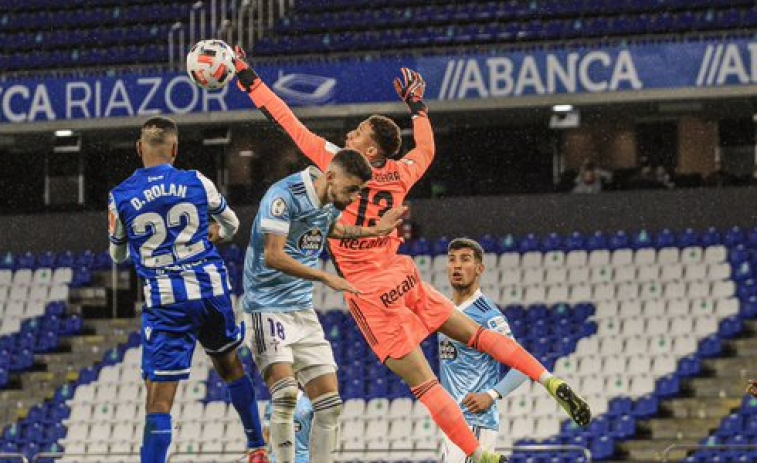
(87, 99)
(156, 191)
(542, 74)
(731, 63)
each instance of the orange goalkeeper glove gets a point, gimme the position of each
(411, 89)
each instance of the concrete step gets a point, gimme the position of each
(744, 347)
(731, 366)
(672, 429)
(720, 387)
(117, 326)
(652, 450)
(700, 407)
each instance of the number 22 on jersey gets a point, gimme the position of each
(153, 253)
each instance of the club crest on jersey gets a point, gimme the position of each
(447, 350)
(311, 241)
(278, 208)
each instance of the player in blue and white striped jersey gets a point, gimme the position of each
(474, 379)
(161, 216)
(295, 217)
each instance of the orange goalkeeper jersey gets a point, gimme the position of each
(388, 188)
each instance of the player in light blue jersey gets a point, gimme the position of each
(296, 216)
(161, 216)
(474, 379)
(303, 420)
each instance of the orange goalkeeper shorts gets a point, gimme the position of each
(396, 310)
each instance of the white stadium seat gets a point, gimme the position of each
(576, 259)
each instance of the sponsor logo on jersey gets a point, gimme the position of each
(390, 297)
(360, 244)
(311, 242)
(447, 350)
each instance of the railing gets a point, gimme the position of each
(526, 448)
(55, 455)
(14, 456)
(172, 457)
(242, 22)
(666, 452)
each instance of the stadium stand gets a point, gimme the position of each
(112, 32)
(638, 321)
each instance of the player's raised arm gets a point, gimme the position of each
(316, 148)
(411, 89)
(386, 225)
(118, 249)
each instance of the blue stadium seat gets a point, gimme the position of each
(596, 241)
(664, 239)
(646, 406)
(619, 240)
(734, 236)
(439, 247)
(551, 242)
(574, 242)
(710, 347)
(507, 243)
(711, 237)
(641, 240)
(687, 238)
(528, 243)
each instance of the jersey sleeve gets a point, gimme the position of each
(219, 209)
(276, 211)
(415, 163)
(118, 248)
(314, 147)
(116, 230)
(498, 323)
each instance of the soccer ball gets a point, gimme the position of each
(210, 64)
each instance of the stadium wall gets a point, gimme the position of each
(473, 216)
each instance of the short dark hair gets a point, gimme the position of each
(157, 129)
(386, 134)
(467, 243)
(354, 164)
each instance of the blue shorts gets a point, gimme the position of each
(169, 334)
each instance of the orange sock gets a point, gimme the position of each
(447, 414)
(506, 351)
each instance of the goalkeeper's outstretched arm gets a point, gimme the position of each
(316, 148)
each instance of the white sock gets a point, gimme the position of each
(323, 434)
(284, 401)
(545, 377)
